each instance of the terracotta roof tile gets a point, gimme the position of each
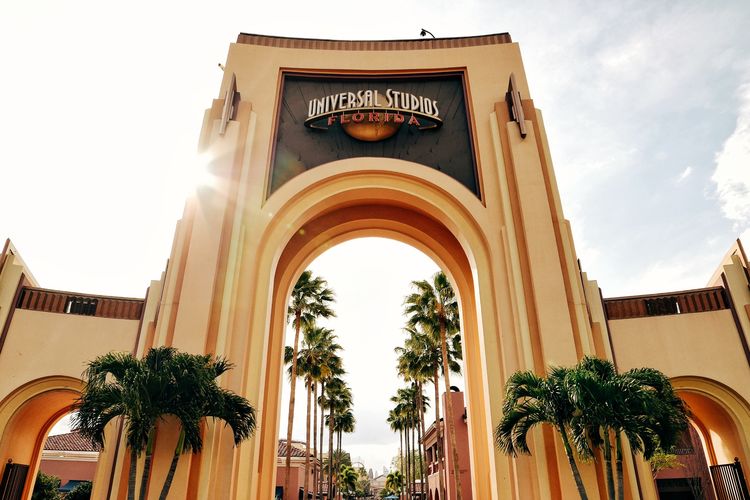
(71, 441)
(296, 452)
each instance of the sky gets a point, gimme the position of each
(646, 106)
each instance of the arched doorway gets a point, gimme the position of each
(721, 423)
(346, 200)
(27, 416)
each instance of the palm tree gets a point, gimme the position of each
(331, 369)
(344, 422)
(639, 403)
(419, 361)
(347, 479)
(143, 392)
(199, 397)
(311, 299)
(394, 481)
(434, 308)
(338, 399)
(396, 423)
(531, 400)
(407, 414)
(316, 361)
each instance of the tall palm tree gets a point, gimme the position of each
(640, 403)
(531, 400)
(164, 382)
(396, 423)
(344, 422)
(338, 399)
(316, 361)
(311, 299)
(418, 360)
(434, 307)
(407, 412)
(333, 370)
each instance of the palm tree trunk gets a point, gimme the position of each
(414, 454)
(572, 462)
(307, 441)
(290, 420)
(408, 461)
(331, 417)
(172, 467)
(401, 463)
(322, 426)
(423, 453)
(132, 474)
(618, 457)
(449, 409)
(608, 464)
(440, 447)
(147, 463)
(338, 458)
(315, 439)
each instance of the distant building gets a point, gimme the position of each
(70, 457)
(431, 445)
(296, 469)
(377, 484)
(692, 479)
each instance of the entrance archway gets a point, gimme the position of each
(27, 415)
(721, 416)
(378, 197)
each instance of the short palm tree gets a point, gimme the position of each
(143, 392)
(347, 479)
(640, 403)
(311, 299)
(434, 308)
(393, 481)
(531, 400)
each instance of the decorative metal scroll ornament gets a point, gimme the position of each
(513, 99)
(227, 111)
(370, 116)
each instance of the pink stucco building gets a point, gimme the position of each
(462, 448)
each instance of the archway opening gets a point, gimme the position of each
(715, 445)
(31, 413)
(398, 221)
(371, 278)
(67, 458)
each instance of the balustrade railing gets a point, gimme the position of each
(689, 301)
(55, 301)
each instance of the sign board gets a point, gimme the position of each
(418, 118)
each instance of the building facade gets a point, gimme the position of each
(435, 143)
(444, 456)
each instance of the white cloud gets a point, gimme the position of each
(732, 174)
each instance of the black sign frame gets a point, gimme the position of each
(394, 75)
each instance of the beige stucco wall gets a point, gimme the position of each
(39, 343)
(702, 344)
